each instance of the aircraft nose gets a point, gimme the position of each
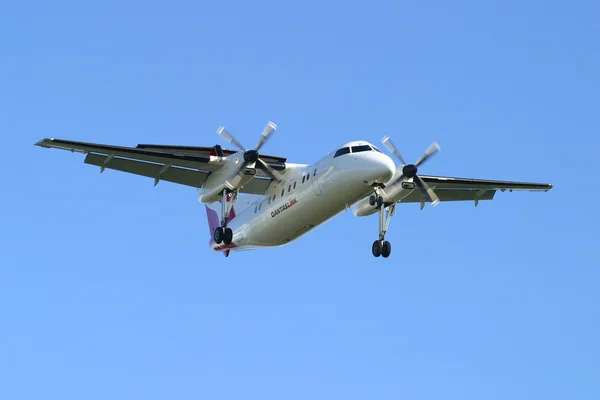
(384, 168)
(388, 168)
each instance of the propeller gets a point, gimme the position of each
(410, 170)
(253, 156)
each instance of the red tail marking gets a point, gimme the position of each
(213, 220)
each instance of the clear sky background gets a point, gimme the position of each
(109, 291)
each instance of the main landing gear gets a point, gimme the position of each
(382, 247)
(223, 234)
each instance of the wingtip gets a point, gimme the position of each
(43, 142)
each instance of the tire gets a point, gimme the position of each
(218, 235)
(386, 249)
(376, 248)
(227, 236)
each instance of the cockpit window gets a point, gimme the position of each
(376, 149)
(358, 149)
(342, 151)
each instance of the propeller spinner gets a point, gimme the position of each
(410, 170)
(253, 156)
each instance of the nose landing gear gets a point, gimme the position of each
(376, 199)
(382, 247)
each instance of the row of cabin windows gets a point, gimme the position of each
(307, 176)
(355, 149)
(272, 198)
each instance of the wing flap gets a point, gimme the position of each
(156, 171)
(178, 175)
(206, 151)
(450, 195)
(446, 182)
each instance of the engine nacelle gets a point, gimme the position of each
(230, 176)
(391, 194)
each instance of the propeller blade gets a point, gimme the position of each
(266, 133)
(424, 186)
(227, 136)
(274, 174)
(390, 146)
(430, 151)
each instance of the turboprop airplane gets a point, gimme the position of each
(293, 198)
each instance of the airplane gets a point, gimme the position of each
(290, 199)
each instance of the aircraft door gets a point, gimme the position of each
(314, 178)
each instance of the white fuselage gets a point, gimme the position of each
(308, 196)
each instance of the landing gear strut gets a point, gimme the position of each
(382, 247)
(223, 234)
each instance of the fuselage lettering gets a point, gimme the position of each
(284, 207)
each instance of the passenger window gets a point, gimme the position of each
(274, 197)
(259, 206)
(294, 185)
(341, 152)
(269, 202)
(282, 191)
(289, 188)
(303, 178)
(358, 149)
(315, 172)
(255, 209)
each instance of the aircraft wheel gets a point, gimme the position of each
(376, 248)
(218, 235)
(227, 236)
(379, 201)
(372, 200)
(386, 249)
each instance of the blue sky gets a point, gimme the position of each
(108, 288)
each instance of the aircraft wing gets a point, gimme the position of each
(185, 165)
(469, 189)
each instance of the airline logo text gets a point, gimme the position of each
(283, 207)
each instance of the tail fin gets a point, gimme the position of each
(214, 214)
